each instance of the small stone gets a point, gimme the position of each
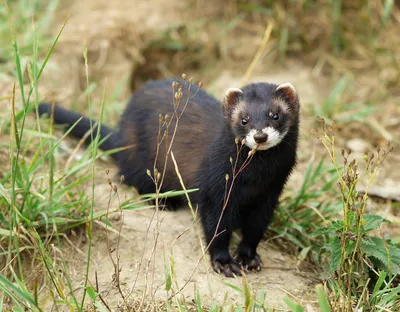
(310, 308)
(117, 217)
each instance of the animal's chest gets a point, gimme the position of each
(251, 191)
(260, 171)
(253, 184)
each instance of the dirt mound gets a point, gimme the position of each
(113, 34)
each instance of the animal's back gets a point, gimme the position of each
(139, 128)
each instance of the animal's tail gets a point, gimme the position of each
(108, 138)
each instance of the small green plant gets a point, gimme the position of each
(322, 301)
(356, 255)
(252, 302)
(34, 31)
(334, 107)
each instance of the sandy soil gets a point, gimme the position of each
(143, 268)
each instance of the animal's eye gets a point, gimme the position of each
(274, 116)
(244, 121)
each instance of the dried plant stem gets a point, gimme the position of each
(157, 176)
(235, 174)
(257, 56)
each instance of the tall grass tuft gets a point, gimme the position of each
(40, 200)
(362, 265)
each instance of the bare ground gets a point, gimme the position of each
(143, 267)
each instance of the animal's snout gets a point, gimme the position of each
(260, 137)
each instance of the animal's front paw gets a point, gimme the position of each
(230, 268)
(250, 263)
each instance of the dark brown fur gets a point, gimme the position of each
(139, 127)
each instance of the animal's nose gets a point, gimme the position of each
(260, 137)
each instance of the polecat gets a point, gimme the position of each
(261, 119)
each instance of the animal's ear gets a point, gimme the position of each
(287, 92)
(232, 98)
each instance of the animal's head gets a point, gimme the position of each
(261, 113)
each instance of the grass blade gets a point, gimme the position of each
(322, 299)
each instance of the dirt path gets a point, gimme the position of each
(176, 239)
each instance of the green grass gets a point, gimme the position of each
(357, 258)
(40, 199)
(323, 223)
(30, 31)
(304, 211)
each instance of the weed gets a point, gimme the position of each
(354, 254)
(364, 268)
